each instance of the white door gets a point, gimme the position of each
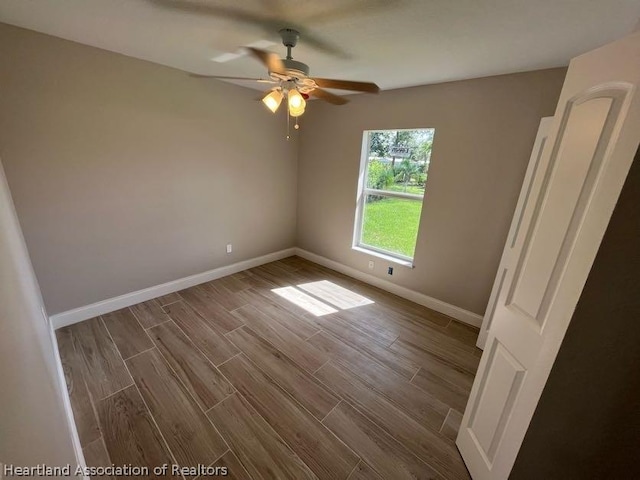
(528, 195)
(593, 138)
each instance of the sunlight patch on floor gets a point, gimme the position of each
(307, 302)
(320, 296)
(338, 296)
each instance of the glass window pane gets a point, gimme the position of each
(398, 160)
(391, 224)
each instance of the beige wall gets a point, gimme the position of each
(33, 427)
(485, 130)
(127, 174)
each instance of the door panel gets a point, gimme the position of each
(503, 379)
(535, 179)
(575, 163)
(555, 235)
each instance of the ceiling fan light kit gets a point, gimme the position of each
(296, 103)
(273, 100)
(292, 80)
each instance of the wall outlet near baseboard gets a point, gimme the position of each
(371, 264)
(229, 248)
(390, 270)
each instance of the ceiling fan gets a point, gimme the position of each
(291, 79)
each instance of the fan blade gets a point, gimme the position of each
(328, 96)
(321, 45)
(350, 10)
(269, 59)
(218, 77)
(266, 22)
(347, 85)
(207, 8)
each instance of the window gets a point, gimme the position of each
(393, 176)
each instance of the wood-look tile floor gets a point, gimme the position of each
(288, 370)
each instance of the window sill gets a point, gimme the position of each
(388, 258)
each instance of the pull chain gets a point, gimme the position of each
(288, 121)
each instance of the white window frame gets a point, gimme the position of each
(362, 193)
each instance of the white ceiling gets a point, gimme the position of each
(395, 43)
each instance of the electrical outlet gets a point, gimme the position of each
(229, 248)
(371, 264)
(390, 271)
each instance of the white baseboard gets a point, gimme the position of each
(458, 313)
(66, 403)
(111, 304)
(105, 306)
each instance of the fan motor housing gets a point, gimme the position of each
(295, 68)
